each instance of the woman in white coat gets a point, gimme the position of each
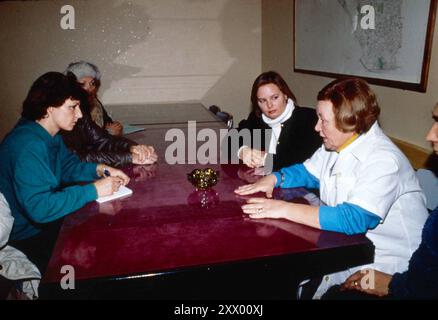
(366, 183)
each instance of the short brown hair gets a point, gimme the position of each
(354, 104)
(267, 78)
(49, 90)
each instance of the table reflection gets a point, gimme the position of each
(205, 199)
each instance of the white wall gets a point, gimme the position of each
(148, 51)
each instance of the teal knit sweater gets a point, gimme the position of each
(35, 169)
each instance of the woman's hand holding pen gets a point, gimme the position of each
(106, 171)
(107, 186)
(113, 179)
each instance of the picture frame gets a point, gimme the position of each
(386, 42)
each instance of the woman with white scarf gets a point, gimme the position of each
(292, 139)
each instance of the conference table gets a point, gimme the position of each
(162, 113)
(170, 241)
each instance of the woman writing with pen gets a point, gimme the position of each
(39, 176)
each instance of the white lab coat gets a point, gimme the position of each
(375, 175)
(14, 264)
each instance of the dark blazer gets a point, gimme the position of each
(298, 139)
(420, 281)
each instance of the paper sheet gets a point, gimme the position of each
(123, 192)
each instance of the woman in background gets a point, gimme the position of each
(92, 143)
(96, 138)
(293, 138)
(88, 76)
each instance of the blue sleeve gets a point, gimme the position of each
(39, 193)
(296, 176)
(73, 170)
(347, 218)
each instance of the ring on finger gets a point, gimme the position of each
(259, 210)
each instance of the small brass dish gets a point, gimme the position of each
(203, 179)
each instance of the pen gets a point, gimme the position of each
(106, 172)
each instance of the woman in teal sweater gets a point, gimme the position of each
(38, 173)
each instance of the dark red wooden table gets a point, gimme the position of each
(168, 240)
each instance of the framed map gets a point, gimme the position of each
(386, 42)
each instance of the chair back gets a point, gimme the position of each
(226, 117)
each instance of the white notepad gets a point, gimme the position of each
(123, 192)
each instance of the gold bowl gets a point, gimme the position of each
(203, 179)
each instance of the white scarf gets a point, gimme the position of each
(275, 124)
